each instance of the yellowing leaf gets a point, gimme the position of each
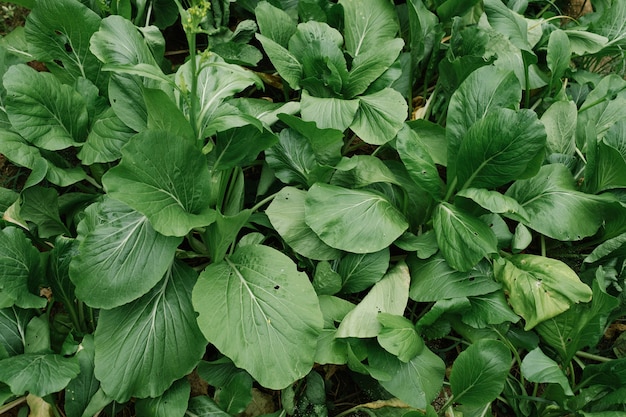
(540, 288)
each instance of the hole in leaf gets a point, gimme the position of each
(276, 287)
(68, 47)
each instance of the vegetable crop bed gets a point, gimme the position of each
(313, 208)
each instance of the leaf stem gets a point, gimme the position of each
(585, 355)
(263, 202)
(5, 408)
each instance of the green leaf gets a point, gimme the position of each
(484, 90)
(326, 144)
(120, 42)
(433, 280)
(539, 288)
(240, 145)
(362, 170)
(21, 268)
(258, 310)
(509, 23)
(368, 24)
(559, 55)
(40, 206)
(58, 34)
(204, 406)
(419, 164)
(370, 65)
(418, 381)
(463, 239)
(337, 216)
(479, 372)
(165, 178)
(389, 295)
(48, 114)
(121, 257)
(555, 208)
(274, 23)
(126, 96)
(488, 309)
(105, 140)
(173, 402)
(326, 281)
(560, 123)
(398, 337)
(582, 325)
(217, 81)
(500, 148)
(80, 391)
(380, 116)
(164, 114)
(13, 322)
(39, 374)
(286, 213)
(359, 271)
(157, 331)
(494, 202)
(612, 23)
(583, 42)
(333, 113)
(285, 63)
(537, 367)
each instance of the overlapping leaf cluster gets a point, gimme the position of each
(428, 173)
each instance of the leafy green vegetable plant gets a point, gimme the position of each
(463, 255)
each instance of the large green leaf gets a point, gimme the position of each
(555, 208)
(418, 381)
(484, 90)
(333, 113)
(21, 268)
(560, 123)
(398, 336)
(433, 280)
(352, 220)
(539, 288)
(216, 82)
(13, 322)
(274, 23)
(240, 145)
(40, 205)
(370, 65)
(537, 367)
(509, 23)
(58, 34)
(157, 332)
(559, 57)
(45, 112)
(258, 310)
(105, 140)
(419, 164)
(39, 374)
(500, 148)
(121, 257)
(83, 388)
(380, 116)
(17, 150)
(285, 63)
(173, 403)
(286, 213)
(479, 372)
(494, 202)
(326, 144)
(360, 271)
(368, 24)
(582, 325)
(167, 179)
(463, 239)
(389, 295)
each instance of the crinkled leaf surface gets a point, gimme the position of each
(167, 179)
(352, 220)
(380, 116)
(500, 148)
(120, 257)
(20, 269)
(39, 374)
(58, 33)
(389, 295)
(463, 239)
(258, 310)
(48, 114)
(286, 213)
(156, 333)
(539, 288)
(479, 372)
(433, 279)
(537, 367)
(555, 208)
